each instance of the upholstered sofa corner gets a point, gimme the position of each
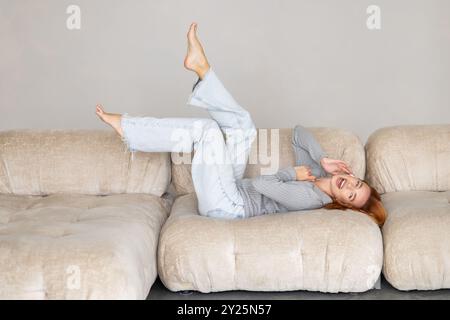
(317, 250)
(79, 217)
(410, 165)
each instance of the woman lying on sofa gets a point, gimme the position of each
(219, 163)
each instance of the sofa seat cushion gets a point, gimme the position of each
(319, 250)
(65, 246)
(417, 240)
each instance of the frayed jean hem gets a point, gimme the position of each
(124, 123)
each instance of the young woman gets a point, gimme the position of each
(219, 163)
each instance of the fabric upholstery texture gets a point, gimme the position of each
(411, 166)
(319, 250)
(80, 215)
(405, 158)
(276, 143)
(73, 246)
(39, 162)
(416, 239)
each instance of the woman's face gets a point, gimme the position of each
(349, 191)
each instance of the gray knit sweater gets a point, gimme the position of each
(281, 192)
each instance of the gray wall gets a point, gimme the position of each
(312, 62)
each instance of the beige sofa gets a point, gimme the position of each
(78, 218)
(318, 250)
(411, 166)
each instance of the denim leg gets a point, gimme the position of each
(212, 172)
(213, 176)
(233, 120)
(149, 134)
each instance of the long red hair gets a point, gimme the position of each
(373, 207)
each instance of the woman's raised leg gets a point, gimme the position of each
(212, 171)
(210, 93)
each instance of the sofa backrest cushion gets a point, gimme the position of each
(407, 158)
(272, 150)
(37, 162)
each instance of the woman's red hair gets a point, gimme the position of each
(373, 207)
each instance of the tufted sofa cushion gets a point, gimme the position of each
(272, 150)
(406, 158)
(411, 166)
(39, 162)
(417, 240)
(319, 250)
(79, 246)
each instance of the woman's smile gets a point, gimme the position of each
(340, 182)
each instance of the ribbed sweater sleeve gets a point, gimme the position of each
(308, 151)
(303, 139)
(283, 188)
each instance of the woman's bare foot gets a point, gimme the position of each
(195, 58)
(113, 119)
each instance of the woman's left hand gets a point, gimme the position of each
(303, 173)
(334, 166)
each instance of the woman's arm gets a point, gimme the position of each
(306, 147)
(309, 152)
(280, 187)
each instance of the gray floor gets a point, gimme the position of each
(386, 292)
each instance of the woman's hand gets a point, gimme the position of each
(334, 167)
(303, 173)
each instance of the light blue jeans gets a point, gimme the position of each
(218, 162)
